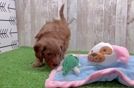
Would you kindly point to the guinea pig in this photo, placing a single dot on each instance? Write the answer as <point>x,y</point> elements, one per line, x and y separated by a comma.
<point>105,54</point>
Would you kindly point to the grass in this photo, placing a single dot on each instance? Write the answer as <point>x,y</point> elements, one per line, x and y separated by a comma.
<point>16,71</point>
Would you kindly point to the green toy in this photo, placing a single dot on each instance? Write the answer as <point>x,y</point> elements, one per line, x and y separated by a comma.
<point>70,63</point>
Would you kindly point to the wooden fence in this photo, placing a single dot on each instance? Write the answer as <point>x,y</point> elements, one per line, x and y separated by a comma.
<point>91,21</point>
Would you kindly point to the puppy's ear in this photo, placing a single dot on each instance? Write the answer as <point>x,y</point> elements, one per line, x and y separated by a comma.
<point>39,48</point>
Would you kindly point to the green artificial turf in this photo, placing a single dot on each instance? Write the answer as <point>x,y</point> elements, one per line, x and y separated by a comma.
<point>16,71</point>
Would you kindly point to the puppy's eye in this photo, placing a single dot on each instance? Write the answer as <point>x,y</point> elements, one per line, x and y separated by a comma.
<point>49,54</point>
<point>55,65</point>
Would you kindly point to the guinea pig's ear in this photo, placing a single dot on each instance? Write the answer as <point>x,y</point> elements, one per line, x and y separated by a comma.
<point>106,50</point>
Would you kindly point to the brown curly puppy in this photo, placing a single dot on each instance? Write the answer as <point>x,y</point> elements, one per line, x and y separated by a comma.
<point>52,42</point>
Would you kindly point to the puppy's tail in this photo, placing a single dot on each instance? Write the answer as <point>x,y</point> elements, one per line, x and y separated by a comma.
<point>61,13</point>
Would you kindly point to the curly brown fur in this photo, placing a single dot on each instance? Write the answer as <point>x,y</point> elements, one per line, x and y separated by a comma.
<point>52,42</point>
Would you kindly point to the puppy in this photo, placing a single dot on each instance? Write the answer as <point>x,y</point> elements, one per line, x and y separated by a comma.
<point>52,42</point>
<point>105,54</point>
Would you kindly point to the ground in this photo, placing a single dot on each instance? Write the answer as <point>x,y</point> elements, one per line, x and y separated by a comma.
<point>16,72</point>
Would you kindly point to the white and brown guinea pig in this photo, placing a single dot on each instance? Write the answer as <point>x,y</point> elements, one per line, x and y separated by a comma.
<point>105,54</point>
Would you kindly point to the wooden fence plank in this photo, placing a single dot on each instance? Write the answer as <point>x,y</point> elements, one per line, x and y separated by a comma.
<point>130,26</point>
<point>121,22</point>
<point>109,21</point>
<point>96,22</point>
<point>72,20</point>
<point>20,21</point>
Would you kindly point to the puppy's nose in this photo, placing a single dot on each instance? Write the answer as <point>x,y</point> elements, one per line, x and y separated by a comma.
<point>94,54</point>
<point>55,65</point>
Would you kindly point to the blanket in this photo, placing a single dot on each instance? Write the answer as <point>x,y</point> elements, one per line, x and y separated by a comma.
<point>124,73</point>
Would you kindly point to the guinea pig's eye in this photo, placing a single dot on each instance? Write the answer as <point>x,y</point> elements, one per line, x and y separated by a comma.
<point>104,50</point>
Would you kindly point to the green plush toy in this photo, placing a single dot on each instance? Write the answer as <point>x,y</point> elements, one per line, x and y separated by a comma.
<point>70,63</point>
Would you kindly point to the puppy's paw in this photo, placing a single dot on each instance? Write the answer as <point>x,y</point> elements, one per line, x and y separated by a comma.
<point>37,64</point>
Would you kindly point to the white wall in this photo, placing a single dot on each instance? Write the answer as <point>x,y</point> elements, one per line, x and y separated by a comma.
<point>8,29</point>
